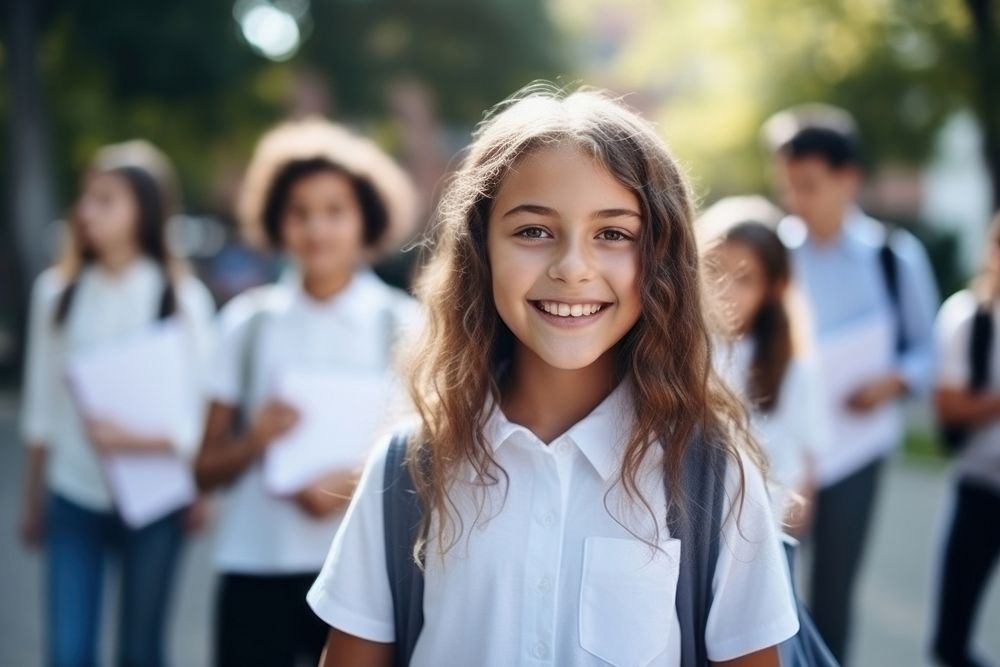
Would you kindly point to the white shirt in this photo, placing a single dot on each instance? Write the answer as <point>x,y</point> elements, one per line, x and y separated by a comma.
<point>796,428</point>
<point>980,457</point>
<point>260,533</point>
<point>106,307</point>
<point>845,289</point>
<point>548,575</point>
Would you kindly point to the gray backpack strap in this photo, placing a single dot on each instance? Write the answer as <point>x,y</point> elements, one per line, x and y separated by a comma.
<point>402,514</point>
<point>248,365</point>
<point>698,526</point>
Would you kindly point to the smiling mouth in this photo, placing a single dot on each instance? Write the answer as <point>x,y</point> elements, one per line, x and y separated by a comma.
<point>565,310</point>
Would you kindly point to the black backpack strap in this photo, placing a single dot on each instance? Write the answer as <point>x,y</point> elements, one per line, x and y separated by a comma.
<point>402,517</point>
<point>890,274</point>
<point>980,348</point>
<point>698,525</point>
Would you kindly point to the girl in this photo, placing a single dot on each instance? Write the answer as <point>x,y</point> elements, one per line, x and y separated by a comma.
<point>563,375</point>
<point>115,279</point>
<point>332,202</point>
<point>968,396</point>
<point>762,358</point>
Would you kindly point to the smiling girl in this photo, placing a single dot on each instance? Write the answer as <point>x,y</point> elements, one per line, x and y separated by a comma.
<point>562,380</point>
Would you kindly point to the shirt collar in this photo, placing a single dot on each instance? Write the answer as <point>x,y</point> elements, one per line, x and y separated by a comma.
<point>352,304</point>
<point>855,236</point>
<point>601,435</point>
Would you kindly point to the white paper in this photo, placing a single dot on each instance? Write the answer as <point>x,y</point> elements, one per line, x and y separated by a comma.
<point>849,360</point>
<point>340,415</point>
<point>140,383</point>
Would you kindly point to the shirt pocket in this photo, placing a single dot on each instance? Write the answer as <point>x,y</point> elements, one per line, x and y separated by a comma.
<point>627,608</point>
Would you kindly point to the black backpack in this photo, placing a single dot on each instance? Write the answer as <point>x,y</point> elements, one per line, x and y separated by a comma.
<point>698,530</point>
<point>956,435</point>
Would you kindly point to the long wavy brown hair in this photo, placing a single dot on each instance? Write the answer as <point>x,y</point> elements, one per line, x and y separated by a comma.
<point>455,366</point>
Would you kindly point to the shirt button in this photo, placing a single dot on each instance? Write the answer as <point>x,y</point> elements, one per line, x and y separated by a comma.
<point>541,650</point>
<point>564,448</point>
<point>544,585</point>
<point>548,519</point>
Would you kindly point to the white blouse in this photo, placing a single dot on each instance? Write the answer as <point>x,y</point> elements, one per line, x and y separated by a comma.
<point>551,571</point>
<point>796,428</point>
<point>106,307</point>
<point>258,532</point>
<point>980,456</point>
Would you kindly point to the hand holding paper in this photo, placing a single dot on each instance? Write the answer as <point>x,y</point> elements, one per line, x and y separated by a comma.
<point>341,413</point>
<point>140,388</point>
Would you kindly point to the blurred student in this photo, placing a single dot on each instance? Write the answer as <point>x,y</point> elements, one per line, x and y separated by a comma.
<point>762,354</point>
<point>968,399</point>
<point>115,279</point>
<point>332,202</point>
<point>861,282</point>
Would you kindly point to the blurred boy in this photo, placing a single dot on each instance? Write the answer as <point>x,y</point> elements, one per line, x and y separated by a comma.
<point>861,283</point>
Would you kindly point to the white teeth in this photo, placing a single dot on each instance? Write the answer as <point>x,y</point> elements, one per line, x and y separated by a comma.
<point>568,310</point>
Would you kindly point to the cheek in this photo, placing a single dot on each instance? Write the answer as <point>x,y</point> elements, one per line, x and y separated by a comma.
<point>510,274</point>
<point>623,274</point>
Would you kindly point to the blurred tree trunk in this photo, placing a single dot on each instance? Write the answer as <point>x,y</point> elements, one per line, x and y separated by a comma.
<point>31,196</point>
<point>987,69</point>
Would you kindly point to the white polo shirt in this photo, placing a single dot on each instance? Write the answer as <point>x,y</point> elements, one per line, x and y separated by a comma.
<point>106,308</point>
<point>258,532</point>
<point>550,575</point>
<point>980,457</point>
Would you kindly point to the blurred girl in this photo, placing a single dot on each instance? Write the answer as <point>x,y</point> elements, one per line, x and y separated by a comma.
<point>333,202</point>
<point>762,358</point>
<point>968,396</point>
<point>561,381</point>
<point>116,278</point>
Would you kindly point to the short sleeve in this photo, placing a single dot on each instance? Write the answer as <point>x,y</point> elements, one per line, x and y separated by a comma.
<point>225,382</point>
<point>352,591</point>
<point>952,332</point>
<point>40,373</point>
<point>753,605</point>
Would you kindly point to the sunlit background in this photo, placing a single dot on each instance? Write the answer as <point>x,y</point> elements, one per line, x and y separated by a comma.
<point>203,78</point>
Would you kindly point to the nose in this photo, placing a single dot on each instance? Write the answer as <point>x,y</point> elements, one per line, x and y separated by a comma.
<point>572,263</point>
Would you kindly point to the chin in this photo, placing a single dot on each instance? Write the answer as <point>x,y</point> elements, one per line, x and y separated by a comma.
<point>569,360</point>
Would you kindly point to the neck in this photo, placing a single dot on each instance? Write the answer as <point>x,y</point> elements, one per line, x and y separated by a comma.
<point>116,260</point>
<point>548,400</point>
<point>322,287</point>
<point>827,228</point>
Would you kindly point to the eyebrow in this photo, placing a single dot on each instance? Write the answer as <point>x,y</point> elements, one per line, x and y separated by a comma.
<point>545,211</point>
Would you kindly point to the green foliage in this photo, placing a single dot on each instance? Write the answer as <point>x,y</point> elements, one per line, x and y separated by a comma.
<point>180,74</point>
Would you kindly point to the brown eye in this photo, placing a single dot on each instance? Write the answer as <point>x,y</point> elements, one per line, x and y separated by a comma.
<point>614,235</point>
<point>532,233</point>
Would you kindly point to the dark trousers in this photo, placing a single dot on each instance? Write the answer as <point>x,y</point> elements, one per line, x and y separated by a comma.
<point>264,621</point>
<point>79,544</point>
<point>970,554</point>
<point>840,530</point>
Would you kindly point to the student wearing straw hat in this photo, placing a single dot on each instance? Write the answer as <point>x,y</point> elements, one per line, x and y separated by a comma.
<point>333,202</point>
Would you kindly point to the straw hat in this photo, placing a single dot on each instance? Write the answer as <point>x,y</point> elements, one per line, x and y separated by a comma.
<point>313,138</point>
